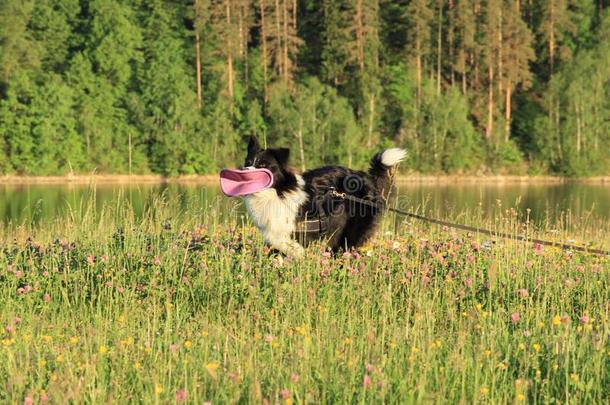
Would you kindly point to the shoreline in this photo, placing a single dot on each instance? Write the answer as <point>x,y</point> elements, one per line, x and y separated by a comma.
<point>210,179</point>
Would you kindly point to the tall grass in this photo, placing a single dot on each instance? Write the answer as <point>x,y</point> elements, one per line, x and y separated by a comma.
<point>181,305</point>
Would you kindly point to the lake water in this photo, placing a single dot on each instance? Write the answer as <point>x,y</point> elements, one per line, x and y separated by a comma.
<point>37,204</point>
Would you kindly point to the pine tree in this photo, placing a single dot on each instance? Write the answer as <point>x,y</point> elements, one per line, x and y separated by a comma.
<point>420,16</point>
<point>517,55</point>
<point>555,24</point>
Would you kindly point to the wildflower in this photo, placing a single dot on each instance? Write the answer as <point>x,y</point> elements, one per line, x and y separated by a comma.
<point>502,366</point>
<point>468,282</point>
<point>285,394</point>
<point>484,390</point>
<point>268,338</point>
<point>213,366</point>
<point>103,350</point>
<point>158,389</point>
<point>188,344</point>
<point>60,358</point>
<point>28,401</point>
<point>47,297</point>
<point>294,377</point>
<point>18,274</point>
<point>7,342</point>
<point>181,396</point>
<point>520,398</point>
<point>515,317</point>
<point>44,398</point>
<point>584,319</point>
<point>574,378</point>
<point>347,341</point>
<point>370,368</point>
<point>565,319</point>
<point>90,259</point>
<point>536,347</point>
<point>523,293</point>
<point>556,321</point>
<point>366,381</point>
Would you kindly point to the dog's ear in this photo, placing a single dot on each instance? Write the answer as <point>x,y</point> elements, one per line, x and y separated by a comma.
<point>282,155</point>
<point>253,144</point>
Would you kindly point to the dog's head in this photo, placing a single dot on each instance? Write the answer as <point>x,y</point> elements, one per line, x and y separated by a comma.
<point>273,159</point>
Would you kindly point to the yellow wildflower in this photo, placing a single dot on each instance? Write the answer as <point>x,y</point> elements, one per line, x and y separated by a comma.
<point>60,358</point>
<point>536,347</point>
<point>103,349</point>
<point>188,344</point>
<point>74,340</point>
<point>484,390</point>
<point>8,342</point>
<point>556,320</point>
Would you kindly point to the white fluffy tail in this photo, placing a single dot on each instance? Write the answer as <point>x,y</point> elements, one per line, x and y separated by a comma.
<point>392,157</point>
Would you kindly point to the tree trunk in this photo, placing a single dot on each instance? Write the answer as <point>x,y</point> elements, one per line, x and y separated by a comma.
<point>500,44</point>
<point>490,105</point>
<point>508,112</point>
<point>264,45</point>
<point>198,62</point>
<point>301,147</point>
<point>280,59</point>
<point>369,141</point>
<point>229,51</point>
<point>552,37</point>
<point>439,48</point>
<point>418,67</point>
<point>578,128</point>
<point>360,35</point>
<point>285,50</point>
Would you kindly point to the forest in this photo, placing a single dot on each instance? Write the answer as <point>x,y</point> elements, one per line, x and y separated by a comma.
<point>172,87</point>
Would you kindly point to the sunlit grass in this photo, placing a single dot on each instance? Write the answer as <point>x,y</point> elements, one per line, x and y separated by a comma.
<point>183,305</point>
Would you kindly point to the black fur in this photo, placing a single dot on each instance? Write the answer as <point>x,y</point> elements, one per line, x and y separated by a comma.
<point>350,224</point>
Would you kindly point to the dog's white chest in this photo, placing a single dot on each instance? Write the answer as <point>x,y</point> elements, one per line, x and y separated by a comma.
<point>274,216</point>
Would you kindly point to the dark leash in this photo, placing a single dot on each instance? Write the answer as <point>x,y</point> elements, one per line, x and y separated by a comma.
<point>565,246</point>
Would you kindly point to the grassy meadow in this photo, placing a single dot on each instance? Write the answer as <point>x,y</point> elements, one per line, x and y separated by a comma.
<point>187,306</point>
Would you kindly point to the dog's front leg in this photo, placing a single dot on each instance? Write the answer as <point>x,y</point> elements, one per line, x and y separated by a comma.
<point>285,244</point>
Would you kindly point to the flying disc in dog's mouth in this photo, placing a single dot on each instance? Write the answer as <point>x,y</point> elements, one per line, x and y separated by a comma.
<point>236,182</point>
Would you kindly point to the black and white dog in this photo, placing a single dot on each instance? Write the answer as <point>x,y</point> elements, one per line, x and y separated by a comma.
<point>276,211</point>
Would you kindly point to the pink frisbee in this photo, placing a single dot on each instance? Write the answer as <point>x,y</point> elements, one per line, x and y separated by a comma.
<point>235,182</point>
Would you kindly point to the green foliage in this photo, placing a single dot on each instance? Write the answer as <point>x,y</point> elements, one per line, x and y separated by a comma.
<point>112,86</point>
